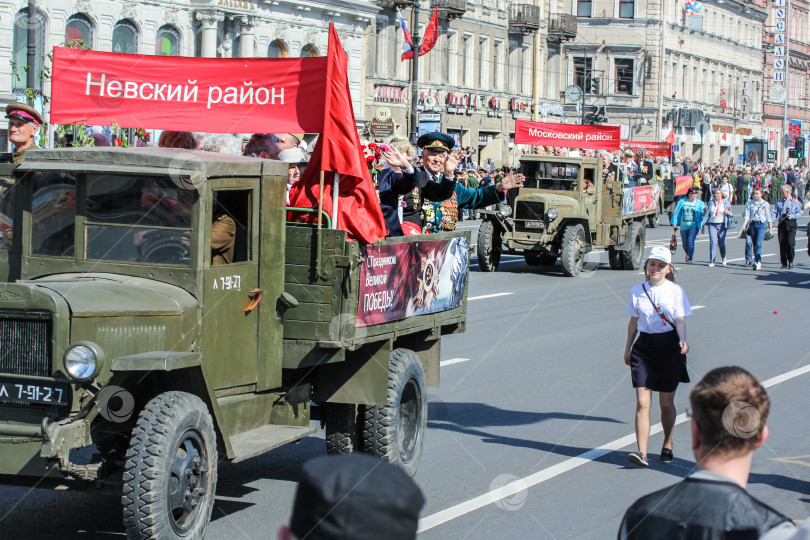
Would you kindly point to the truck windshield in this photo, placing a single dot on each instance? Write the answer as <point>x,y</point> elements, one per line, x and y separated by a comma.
<point>551,175</point>
<point>127,218</point>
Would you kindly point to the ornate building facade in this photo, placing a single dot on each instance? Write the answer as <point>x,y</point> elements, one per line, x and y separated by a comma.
<point>208,28</point>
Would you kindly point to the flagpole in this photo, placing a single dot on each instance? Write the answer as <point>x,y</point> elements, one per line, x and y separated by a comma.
<point>415,72</point>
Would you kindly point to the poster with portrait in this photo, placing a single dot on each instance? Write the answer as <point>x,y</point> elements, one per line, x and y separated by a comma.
<point>640,199</point>
<point>406,279</point>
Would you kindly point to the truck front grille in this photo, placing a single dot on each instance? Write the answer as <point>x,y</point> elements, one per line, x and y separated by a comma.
<point>530,211</point>
<point>25,347</point>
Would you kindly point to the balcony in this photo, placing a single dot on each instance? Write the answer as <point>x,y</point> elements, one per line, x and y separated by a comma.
<point>449,9</point>
<point>562,27</point>
<point>524,19</point>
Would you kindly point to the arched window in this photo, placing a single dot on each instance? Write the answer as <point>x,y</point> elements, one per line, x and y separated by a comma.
<point>20,52</point>
<point>79,27</point>
<point>308,51</point>
<point>168,41</point>
<point>125,37</point>
<point>277,50</point>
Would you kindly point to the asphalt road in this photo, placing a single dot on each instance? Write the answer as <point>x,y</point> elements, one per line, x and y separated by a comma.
<point>529,432</point>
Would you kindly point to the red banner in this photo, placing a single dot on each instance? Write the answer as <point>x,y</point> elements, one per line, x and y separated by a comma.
<point>640,199</point>
<point>405,279</point>
<point>222,95</point>
<point>653,149</point>
<point>683,183</point>
<point>568,135</point>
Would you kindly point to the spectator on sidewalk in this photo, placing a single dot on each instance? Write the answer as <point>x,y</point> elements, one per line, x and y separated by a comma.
<point>729,414</point>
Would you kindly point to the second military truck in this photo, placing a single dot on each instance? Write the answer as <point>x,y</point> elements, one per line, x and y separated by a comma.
<point>567,207</point>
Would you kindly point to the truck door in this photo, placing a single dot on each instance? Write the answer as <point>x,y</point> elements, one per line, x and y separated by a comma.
<point>230,309</point>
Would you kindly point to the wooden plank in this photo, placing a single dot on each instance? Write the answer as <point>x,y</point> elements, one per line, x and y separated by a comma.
<point>305,255</point>
<point>308,330</point>
<point>313,294</point>
<point>309,312</point>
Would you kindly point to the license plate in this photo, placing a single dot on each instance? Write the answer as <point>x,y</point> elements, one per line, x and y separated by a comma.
<point>534,224</point>
<point>22,392</point>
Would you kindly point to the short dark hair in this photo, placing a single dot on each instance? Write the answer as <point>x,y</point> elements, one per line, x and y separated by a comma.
<point>261,142</point>
<point>731,409</point>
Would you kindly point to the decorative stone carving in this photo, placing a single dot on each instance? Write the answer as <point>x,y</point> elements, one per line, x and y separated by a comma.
<point>129,10</point>
<point>170,15</point>
<point>83,6</point>
<point>311,34</point>
<point>209,16</point>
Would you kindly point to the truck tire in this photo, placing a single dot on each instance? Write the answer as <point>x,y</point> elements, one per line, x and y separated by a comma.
<point>489,247</point>
<point>615,258</point>
<point>654,220</point>
<point>572,254</point>
<point>343,435</point>
<point>396,431</point>
<point>170,475</point>
<point>631,258</point>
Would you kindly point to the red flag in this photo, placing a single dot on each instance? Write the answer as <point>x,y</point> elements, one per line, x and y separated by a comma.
<point>671,137</point>
<point>338,151</point>
<point>725,131</point>
<point>772,137</point>
<point>431,34</point>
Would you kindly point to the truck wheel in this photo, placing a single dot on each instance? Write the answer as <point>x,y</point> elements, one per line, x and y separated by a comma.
<point>632,257</point>
<point>170,475</point>
<point>396,431</point>
<point>615,258</point>
<point>342,429</point>
<point>489,247</point>
<point>572,255</point>
<point>654,220</point>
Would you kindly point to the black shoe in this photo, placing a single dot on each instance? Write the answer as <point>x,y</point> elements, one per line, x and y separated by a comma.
<point>666,455</point>
<point>747,263</point>
<point>637,458</point>
<point>784,266</point>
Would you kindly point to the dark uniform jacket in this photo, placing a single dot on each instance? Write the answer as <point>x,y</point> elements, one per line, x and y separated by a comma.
<point>701,507</point>
<point>391,185</point>
<point>426,188</point>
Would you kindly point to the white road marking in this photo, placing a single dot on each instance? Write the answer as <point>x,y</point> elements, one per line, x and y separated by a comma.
<point>453,361</point>
<point>489,296</point>
<point>743,258</point>
<point>697,307</point>
<point>491,497</point>
<point>804,283</point>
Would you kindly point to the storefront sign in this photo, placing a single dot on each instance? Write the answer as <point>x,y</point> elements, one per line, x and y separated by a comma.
<point>568,135</point>
<point>381,129</point>
<point>744,97</point>
<point>412,278</point>
<point>550,109</point>
<point>393,94</point>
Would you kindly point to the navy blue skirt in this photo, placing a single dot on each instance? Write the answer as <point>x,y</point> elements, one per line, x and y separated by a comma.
<point>656,362</point>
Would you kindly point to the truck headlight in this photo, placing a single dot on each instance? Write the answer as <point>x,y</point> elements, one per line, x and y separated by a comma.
<point>82,361</point>
<point>552,213</point>
<point>506,211</point>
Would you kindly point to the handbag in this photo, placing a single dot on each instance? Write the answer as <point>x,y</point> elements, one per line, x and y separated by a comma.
<point>732,222</point>
<point>673,243</point>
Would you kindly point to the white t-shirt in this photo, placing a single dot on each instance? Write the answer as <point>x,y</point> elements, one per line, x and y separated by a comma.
<point>726,189</point>
<point>668,296</point>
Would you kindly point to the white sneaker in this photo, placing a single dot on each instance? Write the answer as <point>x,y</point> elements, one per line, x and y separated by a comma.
<point>711,265</point>
<point>724,263</point>
<point>757,266</point>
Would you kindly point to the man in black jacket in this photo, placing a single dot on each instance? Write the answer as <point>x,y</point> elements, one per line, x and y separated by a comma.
<point>729,413</point>
<point>436,178</point>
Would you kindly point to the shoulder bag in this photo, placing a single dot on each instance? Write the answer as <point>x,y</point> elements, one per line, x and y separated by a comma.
<point>657,308</point>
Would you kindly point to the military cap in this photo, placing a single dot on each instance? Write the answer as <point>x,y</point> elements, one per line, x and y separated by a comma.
<point>24,112</point>
<point>628,152</point>
<point>355,496</point>
<point>298,136</point>
<point>438,142</point>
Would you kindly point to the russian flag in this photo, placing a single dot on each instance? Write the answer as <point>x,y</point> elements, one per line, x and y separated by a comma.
<point>407,45</point>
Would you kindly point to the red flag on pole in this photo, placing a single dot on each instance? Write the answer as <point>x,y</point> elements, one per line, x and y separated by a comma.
<point>431,34</point>
<point>671,137</point>
<point>338,152</point>
<point>725,131</point>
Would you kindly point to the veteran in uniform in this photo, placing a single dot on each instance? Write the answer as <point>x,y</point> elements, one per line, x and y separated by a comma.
<point>23,124</point>
<point>436,178</point>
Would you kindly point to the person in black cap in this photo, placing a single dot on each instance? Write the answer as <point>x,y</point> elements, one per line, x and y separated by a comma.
<point>436,178</point>
<point>23,124</point>
<point>354,496</point>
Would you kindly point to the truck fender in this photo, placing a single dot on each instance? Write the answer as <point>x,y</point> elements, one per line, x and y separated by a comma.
<point>494,217</point>
<point>584,222</point>
<point>152,373</point>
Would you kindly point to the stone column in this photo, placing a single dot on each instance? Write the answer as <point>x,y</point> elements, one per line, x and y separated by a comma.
<point>247,25</point>
<point>210,21</point>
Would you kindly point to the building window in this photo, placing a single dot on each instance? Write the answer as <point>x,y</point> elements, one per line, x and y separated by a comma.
<point>452,58</point>
<point>467,55</point>
<point>583,72</point>
<point>483,64</point>
<point>584,8</point>
<point>20,52</point>
<point>498,65</point>
<point>79,28</point>
<point>627,9</point>
<point>167,42</point>
<point>277,50</point>
<point>125,37</point>
<point>624,76</point>
<point>308,51</point>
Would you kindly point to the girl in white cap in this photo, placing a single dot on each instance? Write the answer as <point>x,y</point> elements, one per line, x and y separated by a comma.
<point>658,309</point>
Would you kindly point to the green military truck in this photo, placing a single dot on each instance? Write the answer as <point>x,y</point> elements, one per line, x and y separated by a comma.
<point>118,330</point>
<point>564,210</point>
